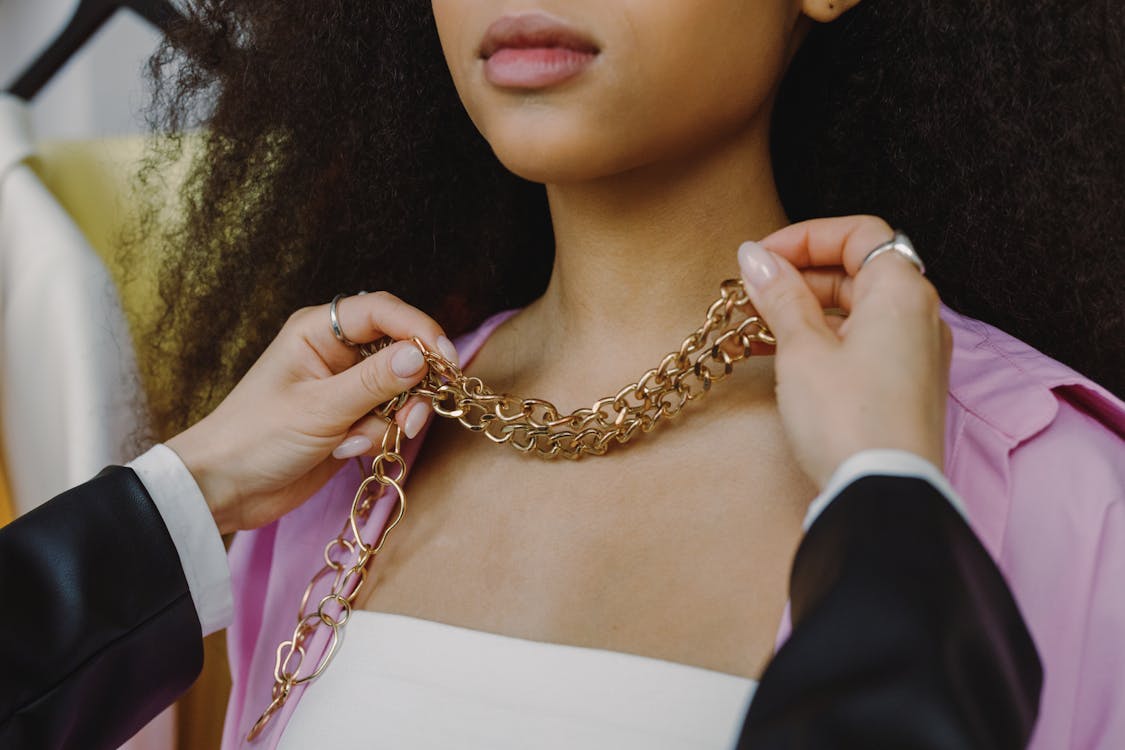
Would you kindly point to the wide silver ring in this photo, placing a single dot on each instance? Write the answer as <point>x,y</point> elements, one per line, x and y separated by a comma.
<point>900,244</point>
<point>334,318</point>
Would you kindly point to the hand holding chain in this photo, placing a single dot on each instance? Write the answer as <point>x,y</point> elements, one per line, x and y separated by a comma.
<point>529,425</point>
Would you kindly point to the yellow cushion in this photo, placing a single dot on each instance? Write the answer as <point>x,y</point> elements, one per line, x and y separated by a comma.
<point>93,181</point>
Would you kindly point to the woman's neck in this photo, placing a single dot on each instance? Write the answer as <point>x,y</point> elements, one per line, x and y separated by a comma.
<point>640,256</point>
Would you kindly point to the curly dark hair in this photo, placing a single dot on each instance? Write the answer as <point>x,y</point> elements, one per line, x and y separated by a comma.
<point>334,154</point>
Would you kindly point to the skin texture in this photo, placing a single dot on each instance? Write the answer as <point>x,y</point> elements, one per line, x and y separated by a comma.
<point>333,153</point>
<point>615,117</point>
<point>644,225</point>
<point>646,201</point>
<point>253,467</point>
<point>647,211</point>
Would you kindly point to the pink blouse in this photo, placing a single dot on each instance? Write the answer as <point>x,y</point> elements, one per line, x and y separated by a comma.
<point>1034,449</point>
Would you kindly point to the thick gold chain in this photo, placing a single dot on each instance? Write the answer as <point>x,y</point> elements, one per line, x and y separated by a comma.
<point>529,425</point>
<point>345,565</point>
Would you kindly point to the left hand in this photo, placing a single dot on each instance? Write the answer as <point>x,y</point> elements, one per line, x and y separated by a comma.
<point>878,380</point>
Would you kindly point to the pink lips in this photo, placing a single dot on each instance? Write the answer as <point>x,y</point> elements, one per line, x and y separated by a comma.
<point>534,51</point>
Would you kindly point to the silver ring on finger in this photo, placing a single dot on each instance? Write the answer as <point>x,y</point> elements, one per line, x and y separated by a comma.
<point>900,244</point>
<point>334,319</point>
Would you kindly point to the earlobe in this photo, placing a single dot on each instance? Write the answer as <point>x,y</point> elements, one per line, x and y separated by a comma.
<point>825,11</point>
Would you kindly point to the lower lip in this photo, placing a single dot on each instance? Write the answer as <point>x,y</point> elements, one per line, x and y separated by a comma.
<point>535,67</point>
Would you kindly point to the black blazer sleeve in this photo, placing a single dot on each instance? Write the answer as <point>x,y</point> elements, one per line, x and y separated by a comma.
<point>99,632</point>
<point>905,634</point>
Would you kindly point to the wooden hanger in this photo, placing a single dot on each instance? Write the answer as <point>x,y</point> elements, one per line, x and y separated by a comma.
<point>87,19</point>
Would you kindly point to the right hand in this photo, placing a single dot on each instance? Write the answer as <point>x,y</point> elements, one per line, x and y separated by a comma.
<point>269,445</point>
<point>880,379</point>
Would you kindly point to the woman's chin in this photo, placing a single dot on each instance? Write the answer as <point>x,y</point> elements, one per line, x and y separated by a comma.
<point>557,164</point>
<point>547,173</point>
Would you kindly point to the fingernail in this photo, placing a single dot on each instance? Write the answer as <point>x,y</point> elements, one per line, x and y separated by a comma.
<point>407,361</point>
<point>758,265</point>
<point>354,446</point>
<point>416,419</point>
<point>448,350</point>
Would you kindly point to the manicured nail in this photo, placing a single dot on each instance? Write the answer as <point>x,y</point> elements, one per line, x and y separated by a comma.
<point>758,265</point>
<point>416,420</point>
<point>354,446</point>
<point>407,361</point>
<point>448,350</point>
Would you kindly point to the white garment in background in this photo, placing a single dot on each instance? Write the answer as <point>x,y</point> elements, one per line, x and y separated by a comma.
<point>68,383</point>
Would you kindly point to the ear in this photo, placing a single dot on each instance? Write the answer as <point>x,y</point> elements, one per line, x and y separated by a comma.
<point>825,11</point>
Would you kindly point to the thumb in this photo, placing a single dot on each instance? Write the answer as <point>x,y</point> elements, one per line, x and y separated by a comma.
<point>351,394</point>
<point>780,295</point>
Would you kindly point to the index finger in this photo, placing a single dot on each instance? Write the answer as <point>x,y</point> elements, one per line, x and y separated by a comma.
<point>363,319</point>
<point>833,241</point>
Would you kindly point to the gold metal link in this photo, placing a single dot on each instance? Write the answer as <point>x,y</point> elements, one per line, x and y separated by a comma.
<point>529,425</point>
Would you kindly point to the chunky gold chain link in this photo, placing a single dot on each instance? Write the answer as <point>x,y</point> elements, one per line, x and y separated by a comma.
<point>345,564</point>
<point>529,425</point>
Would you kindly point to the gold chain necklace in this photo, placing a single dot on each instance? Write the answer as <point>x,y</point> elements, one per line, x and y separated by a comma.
<point>530,426</point>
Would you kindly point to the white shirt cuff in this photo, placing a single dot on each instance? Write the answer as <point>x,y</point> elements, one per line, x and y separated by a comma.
<point>204,559</point>
<point>882,462</point>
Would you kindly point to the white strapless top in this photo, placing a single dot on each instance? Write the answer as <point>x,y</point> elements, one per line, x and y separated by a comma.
<point>402,683</point>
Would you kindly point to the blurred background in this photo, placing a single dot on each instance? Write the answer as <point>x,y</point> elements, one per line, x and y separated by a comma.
<point>69,393</point>
<point>101,91</point>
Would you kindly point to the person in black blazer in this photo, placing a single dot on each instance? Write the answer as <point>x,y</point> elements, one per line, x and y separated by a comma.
<point>905,634</point>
